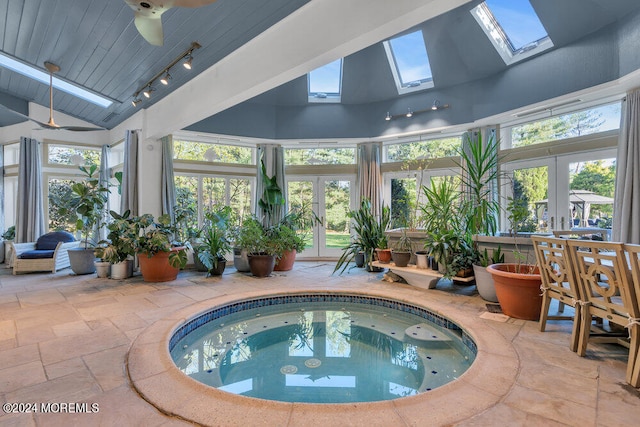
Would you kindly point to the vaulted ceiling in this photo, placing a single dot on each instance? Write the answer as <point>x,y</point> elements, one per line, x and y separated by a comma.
<point>97,46</point>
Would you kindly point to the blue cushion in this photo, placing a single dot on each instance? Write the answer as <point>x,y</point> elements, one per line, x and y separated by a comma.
<point>36,254</point>
<point>49,241</point>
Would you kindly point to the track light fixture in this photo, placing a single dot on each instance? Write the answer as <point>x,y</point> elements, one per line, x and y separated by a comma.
<point>163,76</point>
<point>187,63</point>
<point>165,79</point>
<point>410,113</point>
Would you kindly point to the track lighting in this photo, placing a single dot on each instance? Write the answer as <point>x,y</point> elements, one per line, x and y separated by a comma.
<point>410,113</point>
<point>165,79</point>
<point>163,76</point>
<point>187,63</point>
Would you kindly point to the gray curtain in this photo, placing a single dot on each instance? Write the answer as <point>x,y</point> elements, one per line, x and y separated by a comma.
<point>129,196</point>
<point>168,186</point>
<point>104,180</point>
<point>626,211</point>
<point>369,176</point>
<point>273,158</point>
<point>29,210</point>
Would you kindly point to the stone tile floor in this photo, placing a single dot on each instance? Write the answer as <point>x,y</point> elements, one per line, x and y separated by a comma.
<point>65,338</point>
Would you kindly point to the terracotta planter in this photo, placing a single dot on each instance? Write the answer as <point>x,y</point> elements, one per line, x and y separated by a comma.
<point>285,263</point>
<point>261,265</point>
<point>401,258</point>
<point>384,255</point>
<point>157,268</point>
<point>518,293</point>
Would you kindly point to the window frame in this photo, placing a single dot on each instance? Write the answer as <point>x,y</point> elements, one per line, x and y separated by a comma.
<point>412,86</point>
<point>326,97</point>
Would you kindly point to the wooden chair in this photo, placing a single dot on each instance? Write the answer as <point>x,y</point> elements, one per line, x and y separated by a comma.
<point>558,282</point>
<point>605,281</point>
<point>633,252</point>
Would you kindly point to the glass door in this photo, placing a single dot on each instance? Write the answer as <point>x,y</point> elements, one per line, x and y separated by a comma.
<point>330,198</point>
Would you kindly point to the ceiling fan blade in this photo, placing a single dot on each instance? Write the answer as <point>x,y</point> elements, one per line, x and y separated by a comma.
<point>150,27</point>
<point>192,3</point>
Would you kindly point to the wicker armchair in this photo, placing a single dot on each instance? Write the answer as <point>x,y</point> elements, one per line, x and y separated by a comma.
<point>49,253</point>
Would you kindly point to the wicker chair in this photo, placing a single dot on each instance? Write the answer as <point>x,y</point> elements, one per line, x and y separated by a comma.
<point>49,253</point>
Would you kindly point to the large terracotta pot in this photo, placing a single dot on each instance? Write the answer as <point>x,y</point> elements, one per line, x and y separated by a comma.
<point>157,268</point>
<point>285,263</point>
<point>518,293</point>
<point>261,265</point>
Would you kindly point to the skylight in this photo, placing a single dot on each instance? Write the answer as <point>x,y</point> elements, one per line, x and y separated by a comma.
<point>43,77</point>
<point>409,62</point>
<point>513,27</point>
<point>325,83</point>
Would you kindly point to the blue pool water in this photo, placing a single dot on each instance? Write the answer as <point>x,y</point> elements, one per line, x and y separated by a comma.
<point>322,349</point>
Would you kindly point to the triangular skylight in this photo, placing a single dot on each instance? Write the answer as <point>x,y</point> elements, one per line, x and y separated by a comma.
<point>409,62</point>
<point>513,27</point>
<point>325,83</point>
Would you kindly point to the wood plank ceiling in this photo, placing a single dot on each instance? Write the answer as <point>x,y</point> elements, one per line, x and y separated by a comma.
<point>97,46</point>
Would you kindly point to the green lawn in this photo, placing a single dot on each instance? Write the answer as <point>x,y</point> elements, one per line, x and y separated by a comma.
<point>335,240</point>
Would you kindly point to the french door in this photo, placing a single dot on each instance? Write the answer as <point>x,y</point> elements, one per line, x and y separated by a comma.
<point>563,192</point>
<point>330,199</point>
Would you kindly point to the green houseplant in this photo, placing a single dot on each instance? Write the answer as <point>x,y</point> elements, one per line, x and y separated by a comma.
<point>368,230</point>
<point>287,242</point>
<point>121,243</point>
<point>259,243</point>
<point>88,200</point>
<point>215,244</point>
<point>401,250</point>
<point>159,260</point>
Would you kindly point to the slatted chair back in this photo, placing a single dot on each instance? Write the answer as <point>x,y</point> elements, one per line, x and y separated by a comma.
<point>558,282</point>
<point>604,274</point>
<point>633,252</point>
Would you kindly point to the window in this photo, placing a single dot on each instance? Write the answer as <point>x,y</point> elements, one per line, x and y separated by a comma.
<point>579,123</point>
<point>72,155</point>
<point>409,62</point>
<point>429,149</point>
<point>11,154</point>
<point>320,156</point>
<point>513,27</point>
<point>212,152</point>
<point>201,193</point>
<point>61,215</point>
<point>325,83</point>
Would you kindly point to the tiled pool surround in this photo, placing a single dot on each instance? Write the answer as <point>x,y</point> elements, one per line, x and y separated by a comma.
<point>156,378</point>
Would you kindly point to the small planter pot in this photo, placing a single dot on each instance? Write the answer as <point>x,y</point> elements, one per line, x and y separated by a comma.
<point>261,265</point>
<point>285,263</point>
<point>359,259</point>
<point>217,271</point>
<point>241,260</point>
<point>120,270</point>
<point>102,269</point>
<point>518,293</point>
<point>401,258</point>
<point>422,260</point>
<point>384,255</point>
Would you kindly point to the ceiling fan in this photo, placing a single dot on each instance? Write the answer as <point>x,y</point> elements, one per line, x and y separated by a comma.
<point>52,68</point>
<point>148,16</point>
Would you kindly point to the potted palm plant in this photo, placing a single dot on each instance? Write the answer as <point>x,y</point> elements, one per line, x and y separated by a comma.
<point>367,232</point>
<point>88,201</point>
<point>215,244</point>
<point>260,247</point>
